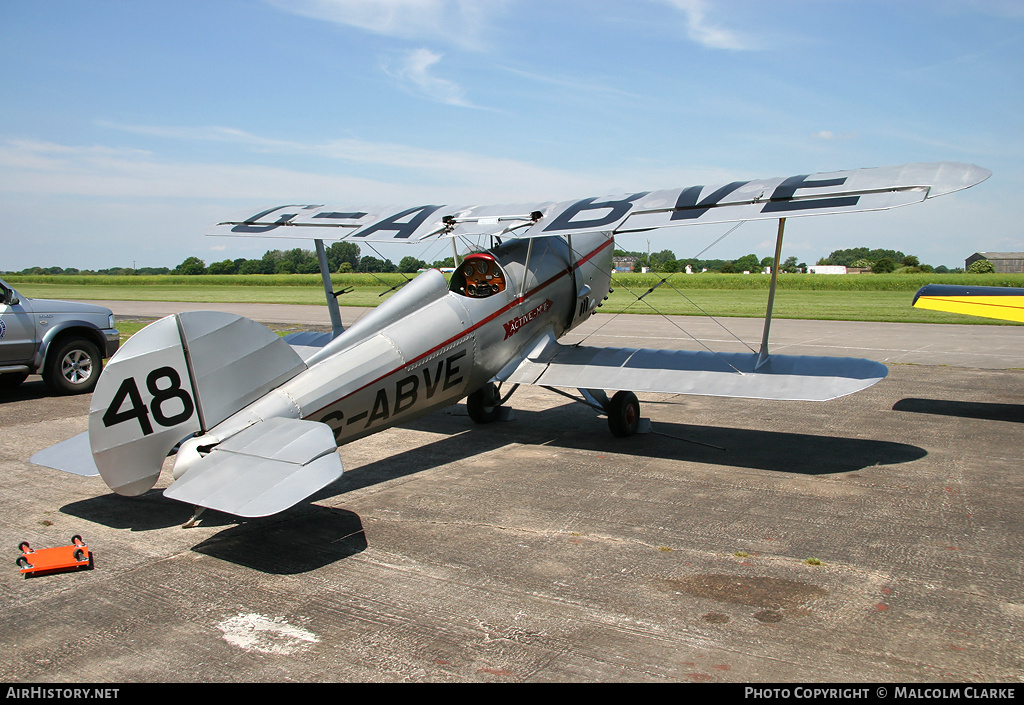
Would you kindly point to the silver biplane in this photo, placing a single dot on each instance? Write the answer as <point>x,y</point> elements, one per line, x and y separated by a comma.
<point>256,420</point>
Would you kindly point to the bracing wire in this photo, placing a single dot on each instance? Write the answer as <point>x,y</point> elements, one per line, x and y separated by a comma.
<point>664,280</point>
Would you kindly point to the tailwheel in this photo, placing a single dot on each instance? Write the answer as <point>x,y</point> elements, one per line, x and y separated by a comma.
<point>624,414</point>
<point>484,405</point>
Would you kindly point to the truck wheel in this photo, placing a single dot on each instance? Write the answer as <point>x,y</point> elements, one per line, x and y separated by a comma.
<point>73,367</point>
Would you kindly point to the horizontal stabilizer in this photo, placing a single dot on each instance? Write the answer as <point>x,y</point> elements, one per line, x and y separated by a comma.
<point>73,455</point>
<point>781,377</point>
<point>307,343</point>
<point>1003,302</point>
<point>262,470</point>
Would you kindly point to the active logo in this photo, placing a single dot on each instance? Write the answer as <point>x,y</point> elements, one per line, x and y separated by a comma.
<point>513,326</point>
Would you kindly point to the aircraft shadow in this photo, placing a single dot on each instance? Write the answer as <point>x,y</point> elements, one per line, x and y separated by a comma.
<point>302,539</point>
<point>989,411</point>
<point>147,512</point>
<point>309,536</point>
<point>572,426</point>
<point>797,453</point>
<point>292,543</point>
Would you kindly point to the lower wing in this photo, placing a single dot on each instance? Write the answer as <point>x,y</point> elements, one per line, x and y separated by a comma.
<point>781,377</point>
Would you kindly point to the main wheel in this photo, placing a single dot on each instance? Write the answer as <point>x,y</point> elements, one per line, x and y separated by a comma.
<point>484,404</point>
<point>624,414</point>
<point>73,367</point>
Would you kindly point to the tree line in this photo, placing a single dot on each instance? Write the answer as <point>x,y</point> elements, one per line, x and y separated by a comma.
<point>878,261</point>
<point>881,261</point>
<point>345,257</point>
<point>342,257</point>
<point>666,262</point>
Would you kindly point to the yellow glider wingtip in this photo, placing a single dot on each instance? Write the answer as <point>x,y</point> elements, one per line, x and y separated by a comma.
<point>1004,303</point>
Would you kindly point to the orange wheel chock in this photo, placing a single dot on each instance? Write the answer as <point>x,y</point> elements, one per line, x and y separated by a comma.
<point>54,560</point>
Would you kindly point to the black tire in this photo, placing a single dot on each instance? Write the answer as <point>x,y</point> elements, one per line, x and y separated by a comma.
<point>624,414</point>
<point>79,554</point>
<point>73,367</point>
<point>23,546</point>
<point>23,562</point>
<point>12,380</point>
<point>77,540</point>
<point>483,404</point>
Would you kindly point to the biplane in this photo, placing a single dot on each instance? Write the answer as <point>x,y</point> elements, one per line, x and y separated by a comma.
<point>256,420</point>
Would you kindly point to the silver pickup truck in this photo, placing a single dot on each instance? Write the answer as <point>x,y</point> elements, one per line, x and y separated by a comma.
<point>64,341</point>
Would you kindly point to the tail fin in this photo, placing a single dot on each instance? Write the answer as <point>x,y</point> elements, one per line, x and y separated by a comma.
<point>178,376</point>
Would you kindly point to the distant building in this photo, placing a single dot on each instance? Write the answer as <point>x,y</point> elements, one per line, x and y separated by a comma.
<point>1003,262</point>
<point>623,264</point>
<point>826,269</point>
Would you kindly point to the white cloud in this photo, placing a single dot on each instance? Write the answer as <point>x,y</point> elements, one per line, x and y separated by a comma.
<point>700,30</point>
<point>575,84</point>
<point>1011,9</point>
<point>414,74</point>
<point>462,23</point>
<point>828,135</point>
<point>45,168</point>
<point>335,172</point>
<point>408,173</point>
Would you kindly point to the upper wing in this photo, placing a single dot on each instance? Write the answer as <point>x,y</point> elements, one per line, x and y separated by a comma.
<point>784,197</point>
<point>1003,302</point>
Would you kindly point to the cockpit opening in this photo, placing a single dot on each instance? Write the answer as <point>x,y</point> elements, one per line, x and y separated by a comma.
<point>478,277</point>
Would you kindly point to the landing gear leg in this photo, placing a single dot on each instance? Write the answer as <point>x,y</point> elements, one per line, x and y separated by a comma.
<point>484,405</point>
<point>195,518</point>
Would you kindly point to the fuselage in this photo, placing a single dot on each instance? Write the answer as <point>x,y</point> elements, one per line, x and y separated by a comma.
<point>433,343</point>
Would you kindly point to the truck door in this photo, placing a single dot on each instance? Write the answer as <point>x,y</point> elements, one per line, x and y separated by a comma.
<point>17,328</point>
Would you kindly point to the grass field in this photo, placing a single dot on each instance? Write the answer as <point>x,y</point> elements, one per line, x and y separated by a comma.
<point>861,297</point>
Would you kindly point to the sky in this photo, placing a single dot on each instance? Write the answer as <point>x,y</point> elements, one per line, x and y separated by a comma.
<point>127,127</point>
